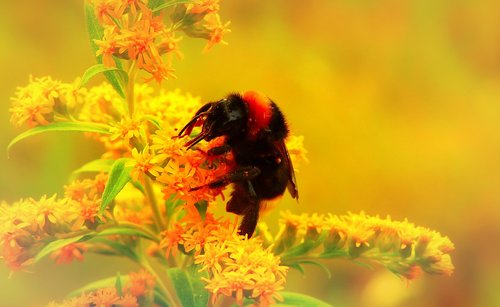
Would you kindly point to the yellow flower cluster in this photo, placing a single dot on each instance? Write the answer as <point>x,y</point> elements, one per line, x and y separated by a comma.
<point>132,31</point>
<point>136,292</point>
<point>44,101</point>
<point>402,247</point>
<point>240,267</point>
<point>27,224</point>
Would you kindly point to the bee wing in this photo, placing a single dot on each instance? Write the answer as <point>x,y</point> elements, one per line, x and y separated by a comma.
<point>292,182</point>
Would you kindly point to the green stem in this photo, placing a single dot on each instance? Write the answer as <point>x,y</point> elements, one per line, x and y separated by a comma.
<point>168,295</point>
<point>148,187</point>
<point>154,237</point>
<point>132,71</point>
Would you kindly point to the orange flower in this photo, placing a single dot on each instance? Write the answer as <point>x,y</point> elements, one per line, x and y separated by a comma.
<point>140,283</point>
<point>108,46</point>
<point>126,130</point>
<point>106,297</point>
<point>171,240</point>
<point>104,10</point>
<point>216,31</point>
<point>69,252</point>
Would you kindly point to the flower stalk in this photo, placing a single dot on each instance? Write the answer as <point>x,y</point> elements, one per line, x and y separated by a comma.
<point>151,198</point>
<point>132,72</point>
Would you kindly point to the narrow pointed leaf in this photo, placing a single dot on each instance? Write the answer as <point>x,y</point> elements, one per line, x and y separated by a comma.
<point>96,32</point>
<point>98,284</point>
<point>182,286</point>
<point>159,298</point>
<point>101,68</point>
<point>316,263</point>
<point>64,126</point>
<point>120,248</point>
<point>296,266</point>
<point>95,166</point>
<point>157,6</point>
<point>200,294</point>
<point>119,284</point>
<point>303,248</point>
<point>118,178</point>
<point>129,231</point>
<point>297,299</point>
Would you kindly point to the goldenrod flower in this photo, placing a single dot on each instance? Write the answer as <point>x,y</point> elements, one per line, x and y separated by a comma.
<point>26,223</point>
<point>216,31</point>
<point>242,267</point>
<point>45,100</point>
<point>171,240</point>
<point>402,247</point>
<point>129,131</point>
<point>102,105</point>
<point>140,283</point>
<point>146,163</point>
<point>69,252</point>
<point>131,206</point>
<point>105,10</point>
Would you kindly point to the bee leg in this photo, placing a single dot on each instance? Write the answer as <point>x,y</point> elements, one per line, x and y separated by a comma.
<point>237,175</point>
<point>242,197</point>
<point>219,150</point>
<point>249,222</point>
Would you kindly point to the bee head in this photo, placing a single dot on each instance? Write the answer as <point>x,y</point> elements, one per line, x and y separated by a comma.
<point>226,117</point>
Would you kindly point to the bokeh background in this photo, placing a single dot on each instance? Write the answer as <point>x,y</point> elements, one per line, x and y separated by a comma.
<point>399,103</point>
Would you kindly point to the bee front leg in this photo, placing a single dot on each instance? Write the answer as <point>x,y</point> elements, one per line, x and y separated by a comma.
<point>219,150</point>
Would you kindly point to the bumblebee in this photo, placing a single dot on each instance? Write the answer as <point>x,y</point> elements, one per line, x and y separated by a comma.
<point>255,131</point>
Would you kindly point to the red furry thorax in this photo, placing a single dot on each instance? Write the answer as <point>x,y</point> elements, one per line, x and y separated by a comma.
<point>259,111</point>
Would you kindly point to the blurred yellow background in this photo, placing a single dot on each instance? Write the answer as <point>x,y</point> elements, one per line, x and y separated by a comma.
<point>399,103</point>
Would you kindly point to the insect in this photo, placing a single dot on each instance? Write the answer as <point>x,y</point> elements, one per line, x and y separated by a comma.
<point>255,130</point>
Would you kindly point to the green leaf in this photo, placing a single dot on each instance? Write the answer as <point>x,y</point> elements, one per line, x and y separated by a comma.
<point>190,290</point>
<point>101,68</point>
<point>98,284</point>
<point>319,264</point>
<point>167,3</point>
<point>334,253</point>
<point>64,126</point>
<point>200,294</point>
<point>118,284</point>
<point>296,266</point>
<point>118,178</point>
<point>154,3</point>
<point>363,264</point>
<point>172,204</point>
<point>121,249</point>
<point>299,250</point>
<point>138,186</point>
<point>127,230</point>
<point>160,298</point>
<point>303,248</point>
<point>152,119</point>
<point>95,166</point>
<point>58,244</point>
<point>96,32</point>
<point>182,285</point>
<point>202,207</point>
<point>297,299</point>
